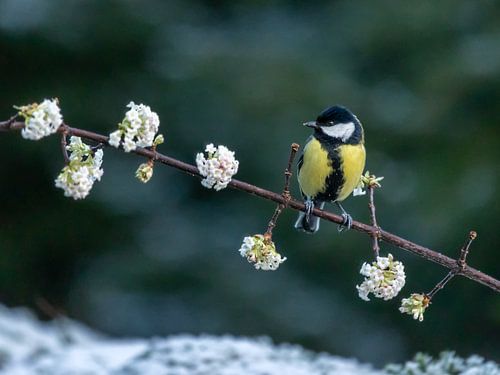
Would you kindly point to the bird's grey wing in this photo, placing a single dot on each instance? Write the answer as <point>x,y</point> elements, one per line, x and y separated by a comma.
<point>299,165</point>
<point>300,162</point>
<point>301,158</point>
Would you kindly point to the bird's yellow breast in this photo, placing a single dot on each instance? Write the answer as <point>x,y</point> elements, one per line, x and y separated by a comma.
<point>316,167</point>
<point>352,159</point>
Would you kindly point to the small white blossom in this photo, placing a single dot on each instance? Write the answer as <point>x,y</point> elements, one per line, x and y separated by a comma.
<point>210,149</point>
<point>218,167</point>
<point>83,169</point>
<point>366,181</point>
<point>40,120</point>
<point>262,252</point>
<point>115,138</point>
<point>137,129</point>
<point>359,190</point>
<point>144,172</point>
<point>415,305</point>
<point>129,144</point>
<point>384,278</point>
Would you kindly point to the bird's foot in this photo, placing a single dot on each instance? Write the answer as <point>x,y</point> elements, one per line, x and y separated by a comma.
<point>309,207</point>
<point>346,222</point>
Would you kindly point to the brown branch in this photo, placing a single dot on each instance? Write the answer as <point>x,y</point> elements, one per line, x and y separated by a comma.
<point>373,217</point>
<point>285,194</point>
<point>424,252</point>
<point>460,265</point>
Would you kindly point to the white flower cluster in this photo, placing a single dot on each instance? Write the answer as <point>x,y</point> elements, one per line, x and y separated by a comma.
<point>84,168</point>
<point>137,129</point>
<point>40,120</point>
<point>262,252</point>
<point>218,167</point>
<point>415,305</point>
<point>384,278</point>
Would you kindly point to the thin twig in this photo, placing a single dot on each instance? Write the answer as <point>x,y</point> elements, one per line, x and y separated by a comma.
<point>373,217</point>
<point>288,172</point>
<point>422,251</point>
<point>285,194</point>
<point>460,266</point>
<point>64,144</point>
<point>465,250</point>
<point>440,285</point>
<point>6,125</point>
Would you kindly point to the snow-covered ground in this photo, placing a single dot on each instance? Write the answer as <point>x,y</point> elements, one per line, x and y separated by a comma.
<point>30,347</point>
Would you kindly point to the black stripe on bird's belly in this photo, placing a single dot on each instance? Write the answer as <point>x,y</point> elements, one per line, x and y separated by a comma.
<point>335,180</point>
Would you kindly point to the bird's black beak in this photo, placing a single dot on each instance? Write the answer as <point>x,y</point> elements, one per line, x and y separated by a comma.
<point>311,124</point>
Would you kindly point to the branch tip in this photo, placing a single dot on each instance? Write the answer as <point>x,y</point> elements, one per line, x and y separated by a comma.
<point>465,250</point>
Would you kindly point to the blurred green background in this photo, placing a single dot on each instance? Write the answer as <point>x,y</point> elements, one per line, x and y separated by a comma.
<point>161,258</point>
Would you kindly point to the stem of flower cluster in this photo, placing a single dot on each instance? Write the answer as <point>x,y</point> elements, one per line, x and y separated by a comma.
<point>373,217</point>
<point>64,143</point>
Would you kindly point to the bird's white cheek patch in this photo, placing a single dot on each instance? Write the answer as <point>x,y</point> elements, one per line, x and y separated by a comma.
<point>342,131</point>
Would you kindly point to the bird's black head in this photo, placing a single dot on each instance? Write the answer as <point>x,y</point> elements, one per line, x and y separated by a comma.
<point>337,125</point>
<point>335,115</point>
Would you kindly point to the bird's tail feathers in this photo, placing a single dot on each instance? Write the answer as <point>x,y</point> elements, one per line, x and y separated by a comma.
<point>308,223</point>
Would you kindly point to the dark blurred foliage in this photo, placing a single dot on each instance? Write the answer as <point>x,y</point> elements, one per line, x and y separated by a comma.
<point>161,258</point>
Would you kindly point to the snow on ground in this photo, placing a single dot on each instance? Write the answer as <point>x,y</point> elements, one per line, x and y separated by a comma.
<point>28,346</point>
<point>65,347</point>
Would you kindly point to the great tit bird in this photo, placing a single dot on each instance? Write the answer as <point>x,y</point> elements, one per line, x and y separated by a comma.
<point>331,164</point>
